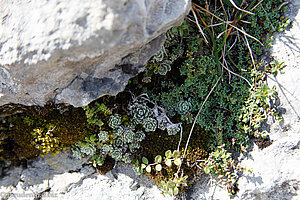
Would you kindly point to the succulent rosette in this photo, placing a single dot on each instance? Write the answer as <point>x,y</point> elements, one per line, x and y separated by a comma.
<point>163,68</point>
<point>173,130</point>
<point>140,113</point>
<point>88,149</point>
<point>139,136</point>
<point>183,107</point>
<point>129,136</point>
<point>115,121</point>
<point>107,148</point>
<point>116,154</point>
<point>150,124</point>
<point>103,136</point>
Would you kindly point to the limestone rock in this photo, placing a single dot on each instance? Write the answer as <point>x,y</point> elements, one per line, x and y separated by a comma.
<point>76,51</point>
<point>121,183</point>
<point>63,177</point>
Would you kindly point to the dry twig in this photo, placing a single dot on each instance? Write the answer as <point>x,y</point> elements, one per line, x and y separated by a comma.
<point>194,123</point>
<point>234,5</point>
<point>229,24</point>
<point>200,29</point>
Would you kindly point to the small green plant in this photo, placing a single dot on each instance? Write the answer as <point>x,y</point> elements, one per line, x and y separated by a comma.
<point>28,121</point>
<point>45,141</point>
<point>222,165</point>
<point>172,185</point>
<point>98,108</point>
<point>275,68</point>
<point>159,64</point>
<point>258,106</point>
<point>91,113</point>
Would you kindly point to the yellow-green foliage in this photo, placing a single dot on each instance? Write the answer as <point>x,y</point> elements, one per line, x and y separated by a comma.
<point>45,141</point>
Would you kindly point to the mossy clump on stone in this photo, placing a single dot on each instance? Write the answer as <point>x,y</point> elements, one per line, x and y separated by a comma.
<point>40,130</point>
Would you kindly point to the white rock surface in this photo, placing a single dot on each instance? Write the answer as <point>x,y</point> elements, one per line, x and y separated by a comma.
<point>63,177</point>
<point>75,51</point>
<point>123,184</point>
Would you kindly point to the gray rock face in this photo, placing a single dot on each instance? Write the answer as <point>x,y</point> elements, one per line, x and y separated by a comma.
<point>64,177</point>
<point>76,51</point>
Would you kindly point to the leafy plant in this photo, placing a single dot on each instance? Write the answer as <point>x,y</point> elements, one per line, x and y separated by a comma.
<point>45,141</point>
<point>98,108</point>
<point>275,68</point>
<point>92,112</point>
<point>222,165</point>
<point>168,159</point>
<point>172,185</point>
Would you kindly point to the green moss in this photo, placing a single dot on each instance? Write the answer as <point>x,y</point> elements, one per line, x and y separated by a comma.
<point>22,138</point>
<point>69,128</point>
<point>72,128</point>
